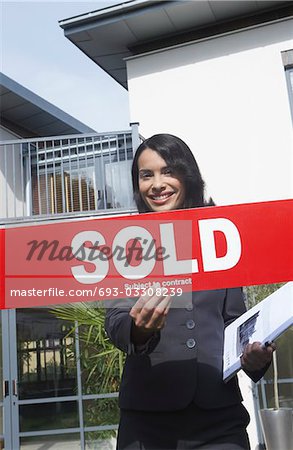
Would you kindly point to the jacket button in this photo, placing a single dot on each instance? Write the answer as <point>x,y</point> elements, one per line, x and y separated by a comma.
<point>189,307</point>
<point>190,343</point>
<point>190,324</point>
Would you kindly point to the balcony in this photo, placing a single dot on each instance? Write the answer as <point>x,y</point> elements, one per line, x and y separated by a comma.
<point>65,176</point>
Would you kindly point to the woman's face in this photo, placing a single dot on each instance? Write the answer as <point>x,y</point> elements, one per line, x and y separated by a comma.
<point>159,188</point>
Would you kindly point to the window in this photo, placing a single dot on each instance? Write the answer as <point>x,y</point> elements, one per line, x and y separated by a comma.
<point>83,174</point>
<point>287,58</point>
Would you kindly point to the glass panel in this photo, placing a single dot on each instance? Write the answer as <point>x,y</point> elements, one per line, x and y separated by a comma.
<point>79,190</point>
<point>285,370</point>
<point>289,72</point>
<point>284,357</point>
<point>118,184</point>
<point>1,383</point>
<point>46,355</point>
<point>101,411</point>
<point>100,440</point>
<point>42,193</point>
<point>285,395</point>
<point>285,354</point>
<point>1,367</point>
<point>58,442</point>
<point>1,423</point>
<point>48,416</point>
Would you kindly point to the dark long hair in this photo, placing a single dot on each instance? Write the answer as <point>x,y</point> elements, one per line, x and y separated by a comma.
<point>181,161</point>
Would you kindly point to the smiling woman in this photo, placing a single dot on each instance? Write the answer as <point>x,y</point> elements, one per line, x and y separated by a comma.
<point>181,347</point>
<point>165,175</point>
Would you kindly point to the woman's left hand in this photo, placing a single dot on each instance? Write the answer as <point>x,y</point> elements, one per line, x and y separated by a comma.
<point>256,356</point>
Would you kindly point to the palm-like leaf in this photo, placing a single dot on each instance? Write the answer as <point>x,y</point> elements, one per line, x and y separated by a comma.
<point>101,362</point>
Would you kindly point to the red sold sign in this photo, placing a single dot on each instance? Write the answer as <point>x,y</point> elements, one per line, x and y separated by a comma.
<point>100,259</point>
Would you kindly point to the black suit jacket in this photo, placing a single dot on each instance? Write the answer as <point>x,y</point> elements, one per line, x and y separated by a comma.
<point>183,362</point>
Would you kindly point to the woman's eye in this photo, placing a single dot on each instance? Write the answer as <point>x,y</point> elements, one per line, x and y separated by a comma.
<point>145,175</point>
<point>167,171</point>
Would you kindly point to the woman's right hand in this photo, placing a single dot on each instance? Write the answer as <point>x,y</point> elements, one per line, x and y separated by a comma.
<point>149,315</point>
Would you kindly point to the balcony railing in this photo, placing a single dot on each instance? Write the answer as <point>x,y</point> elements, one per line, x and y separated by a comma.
<point>67,175</point>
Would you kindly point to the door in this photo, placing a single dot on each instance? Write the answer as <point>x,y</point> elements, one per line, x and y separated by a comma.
<point>9,382</point>
<point>40,390</point>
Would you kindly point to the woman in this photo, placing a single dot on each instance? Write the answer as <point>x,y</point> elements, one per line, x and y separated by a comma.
<point>172,395</point>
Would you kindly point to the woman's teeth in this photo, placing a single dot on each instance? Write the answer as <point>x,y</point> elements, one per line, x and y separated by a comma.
<point>161,197</point>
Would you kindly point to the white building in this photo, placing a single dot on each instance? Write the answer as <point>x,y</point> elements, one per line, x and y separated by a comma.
<point>217,74</point>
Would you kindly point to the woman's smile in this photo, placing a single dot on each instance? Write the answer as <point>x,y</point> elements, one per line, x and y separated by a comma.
<point>161,198</point>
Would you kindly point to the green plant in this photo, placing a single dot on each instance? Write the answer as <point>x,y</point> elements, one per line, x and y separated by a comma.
<point>256,294</point>
<point>98,355</point>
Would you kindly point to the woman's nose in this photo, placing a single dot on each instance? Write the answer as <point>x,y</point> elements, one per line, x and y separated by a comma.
<point>158,183</point>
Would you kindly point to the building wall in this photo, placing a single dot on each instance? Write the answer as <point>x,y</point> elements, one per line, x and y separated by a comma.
<point>11,176</point>
<point>227,98</point>
<point>6,134</point>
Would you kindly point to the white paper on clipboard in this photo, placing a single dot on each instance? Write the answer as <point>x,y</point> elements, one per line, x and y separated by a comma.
<point>264,322</point>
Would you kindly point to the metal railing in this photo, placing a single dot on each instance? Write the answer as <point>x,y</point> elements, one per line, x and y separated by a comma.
<point>67,175</point>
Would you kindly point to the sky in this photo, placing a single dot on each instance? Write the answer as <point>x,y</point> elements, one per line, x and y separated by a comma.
<point>36,54</point>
